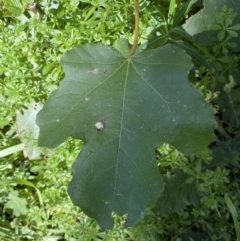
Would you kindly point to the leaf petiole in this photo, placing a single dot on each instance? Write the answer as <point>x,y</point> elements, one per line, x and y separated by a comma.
<point>136,31</point>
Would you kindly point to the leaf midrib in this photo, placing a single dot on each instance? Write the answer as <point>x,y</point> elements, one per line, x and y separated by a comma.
<point>121,128</point>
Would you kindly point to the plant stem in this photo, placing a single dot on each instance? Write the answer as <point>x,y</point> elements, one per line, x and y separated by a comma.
<point>136,32</point>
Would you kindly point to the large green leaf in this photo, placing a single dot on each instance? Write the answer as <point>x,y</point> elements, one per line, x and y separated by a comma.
<point>199,25</point>
<point>123,108</point>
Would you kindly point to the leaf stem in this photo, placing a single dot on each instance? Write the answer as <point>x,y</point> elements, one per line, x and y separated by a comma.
<point>136,32</point>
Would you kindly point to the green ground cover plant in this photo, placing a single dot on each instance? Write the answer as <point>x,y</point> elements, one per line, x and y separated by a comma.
<point>143,117</point>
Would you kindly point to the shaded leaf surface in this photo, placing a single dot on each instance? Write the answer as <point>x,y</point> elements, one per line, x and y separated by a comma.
<point>230,103</point>
<point>196,236</point>
<point>177,194</point>
<point>123,108</point>
<point>199,25</point>
<point>226,153</point>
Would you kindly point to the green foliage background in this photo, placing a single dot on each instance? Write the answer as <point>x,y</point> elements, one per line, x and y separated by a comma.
<point>33,201</point>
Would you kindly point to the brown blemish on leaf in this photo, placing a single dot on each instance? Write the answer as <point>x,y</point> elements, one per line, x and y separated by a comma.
<point>93,71</point>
